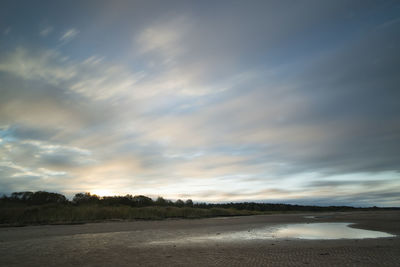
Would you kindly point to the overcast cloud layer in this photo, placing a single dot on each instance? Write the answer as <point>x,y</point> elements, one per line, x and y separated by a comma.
<point>277,101</point>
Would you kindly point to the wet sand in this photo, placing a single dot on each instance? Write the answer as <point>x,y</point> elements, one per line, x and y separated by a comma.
<point>176,243</point>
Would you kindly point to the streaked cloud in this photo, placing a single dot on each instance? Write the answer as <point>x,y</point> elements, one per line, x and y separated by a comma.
<point>69,35</point>
<point>213,106</point>
<point>88,77</point>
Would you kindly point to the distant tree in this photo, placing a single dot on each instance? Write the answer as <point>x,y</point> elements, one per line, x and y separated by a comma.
<point>160,201</point>
<point>142,201</point>
<point>85,198</point>
<point>189,203</point>
<point>27,196</point>
<point>117,200</point>
<point>38,198</point>
<point>42,197</point>
<point>179,203</point>
<point>22,196</point>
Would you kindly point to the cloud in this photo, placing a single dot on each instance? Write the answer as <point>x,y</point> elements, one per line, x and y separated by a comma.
<point>43,65</point>
<point>267,101</point>
<point>41,153</point>
<point>165,39</point>
<point>88,77</point>
<point>46,31</point>
<point>58,155</point>
<point>69,35</point>
<point>29,163</point>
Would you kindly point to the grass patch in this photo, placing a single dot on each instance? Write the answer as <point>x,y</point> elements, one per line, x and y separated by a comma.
<point>55,214</point>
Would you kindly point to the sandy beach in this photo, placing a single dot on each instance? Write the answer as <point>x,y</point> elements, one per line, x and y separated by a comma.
<point>197,243</point>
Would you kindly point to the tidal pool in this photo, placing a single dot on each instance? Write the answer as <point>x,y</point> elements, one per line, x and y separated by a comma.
<point>303,231</point>
<point>288,231</point>
<point>325,231</point>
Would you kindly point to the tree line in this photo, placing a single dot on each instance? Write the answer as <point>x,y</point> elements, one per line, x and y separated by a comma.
<point>43,197</point>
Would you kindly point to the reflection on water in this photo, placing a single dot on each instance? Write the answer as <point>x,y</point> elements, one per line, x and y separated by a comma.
<point>317,217</point>
<point>288,231</point>
<point>310,217</point>
<point>305,231</point>
<point>326,231</point>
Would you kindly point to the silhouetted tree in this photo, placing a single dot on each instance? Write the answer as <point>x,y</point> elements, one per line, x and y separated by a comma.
<point>142,201</point>
<point>22,196</point>
<point>42,197</point>
<point>189,203</point>
<point>160,201</point>
<point>38,198</point>
<point>117,200</point>
<point>179,203</point>
<point>85,198</point>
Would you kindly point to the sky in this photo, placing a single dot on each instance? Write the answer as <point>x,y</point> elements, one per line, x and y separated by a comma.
<point>267,101</point>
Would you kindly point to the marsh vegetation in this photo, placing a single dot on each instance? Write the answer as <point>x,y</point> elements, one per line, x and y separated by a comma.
<point>22,208</point>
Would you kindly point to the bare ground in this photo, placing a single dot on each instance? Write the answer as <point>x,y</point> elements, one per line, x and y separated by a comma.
<point>165,243</point>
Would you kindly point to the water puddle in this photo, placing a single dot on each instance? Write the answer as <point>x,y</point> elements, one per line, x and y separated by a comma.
<point>317,217</point>
<point>288,231</point>
<point>310,217</point>
<point>325,231</point>
<point>304,231</point>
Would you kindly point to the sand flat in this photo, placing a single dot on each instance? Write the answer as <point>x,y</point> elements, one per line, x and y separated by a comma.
<point>155,243</point>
